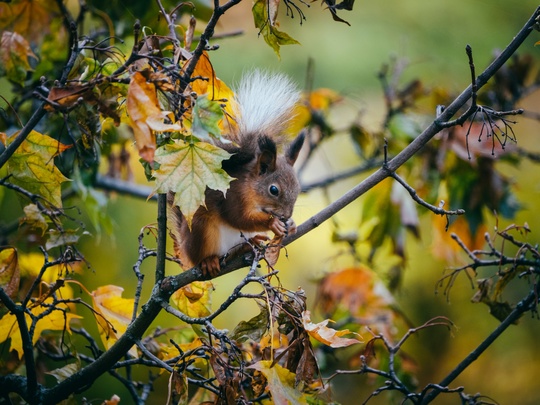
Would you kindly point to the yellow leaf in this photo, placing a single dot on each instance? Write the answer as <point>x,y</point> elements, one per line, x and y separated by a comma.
<point>280,383</point>
<point>194,299</point>
<point>9,271</point>
<point>58,320</point>
<point>187,169</point>
<point>113,314</point>
<point>146,115</point>
<point>326,335</point>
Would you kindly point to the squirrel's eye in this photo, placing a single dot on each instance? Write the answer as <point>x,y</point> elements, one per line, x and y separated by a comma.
<point>274,190</point>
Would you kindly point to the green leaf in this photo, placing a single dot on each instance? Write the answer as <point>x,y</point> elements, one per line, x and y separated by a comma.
<point>32,166</point>
<point>253,329</point>
<point>187,169</point>
<point>66,237</point>
<point>206,116</point>
<point>267,27</point>
<point>34,175</point>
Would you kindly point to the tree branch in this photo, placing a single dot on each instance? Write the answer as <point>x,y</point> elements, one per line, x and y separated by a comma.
<point>522,307</point>
<point>419,142</point>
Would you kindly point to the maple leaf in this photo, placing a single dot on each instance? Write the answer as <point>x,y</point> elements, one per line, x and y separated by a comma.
<point>58,320</point>
<point>146,115</point>
<point>326,335</point>
<point>14,54</point>
<point>32,166</point>
<point>187,169</point>
<point>9,271</point>
<point>280,383</point>
<point>113,314</point>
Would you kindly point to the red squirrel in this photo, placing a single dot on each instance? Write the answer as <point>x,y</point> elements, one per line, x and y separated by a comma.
<point>263,194</point>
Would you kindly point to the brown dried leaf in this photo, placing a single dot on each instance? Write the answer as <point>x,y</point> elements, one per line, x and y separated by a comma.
<point>271,254</point>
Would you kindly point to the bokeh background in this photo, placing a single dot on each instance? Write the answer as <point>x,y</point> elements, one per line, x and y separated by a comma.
<point>432,36</point>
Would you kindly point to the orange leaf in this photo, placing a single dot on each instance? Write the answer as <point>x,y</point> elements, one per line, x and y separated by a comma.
<point>14,54</point>
<point>328,336</point>
<point>357,289</point>
<point>216,89</point>
<point>146,115</point>
<point>30,18</point>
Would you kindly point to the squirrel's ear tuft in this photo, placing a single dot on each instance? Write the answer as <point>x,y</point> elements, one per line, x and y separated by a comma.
<point>294,148</point>
<point>266,160</point>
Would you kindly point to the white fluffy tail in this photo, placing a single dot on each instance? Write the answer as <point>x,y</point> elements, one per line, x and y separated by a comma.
<point>265,103</point>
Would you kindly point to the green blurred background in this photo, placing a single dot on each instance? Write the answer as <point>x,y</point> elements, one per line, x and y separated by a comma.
<point>432,36</point>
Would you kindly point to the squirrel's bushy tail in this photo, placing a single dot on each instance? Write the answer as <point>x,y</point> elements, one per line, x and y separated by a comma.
<point>264,103</point>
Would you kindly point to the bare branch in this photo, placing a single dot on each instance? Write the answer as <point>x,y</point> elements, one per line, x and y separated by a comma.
<point>523,306</point>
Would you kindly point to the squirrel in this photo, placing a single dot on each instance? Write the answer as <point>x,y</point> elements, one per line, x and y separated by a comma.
<point>265,189</point>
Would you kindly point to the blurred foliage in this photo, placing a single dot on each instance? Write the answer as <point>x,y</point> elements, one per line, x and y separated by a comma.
<point>108,73</point>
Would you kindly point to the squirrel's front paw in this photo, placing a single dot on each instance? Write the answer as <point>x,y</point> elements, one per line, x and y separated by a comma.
<point>282,228</point>
<point>210,266</point>
<point>291,227</point>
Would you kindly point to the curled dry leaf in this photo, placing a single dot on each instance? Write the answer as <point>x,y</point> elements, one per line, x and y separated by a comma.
<point>271,254</point>
<point>326,335</point>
